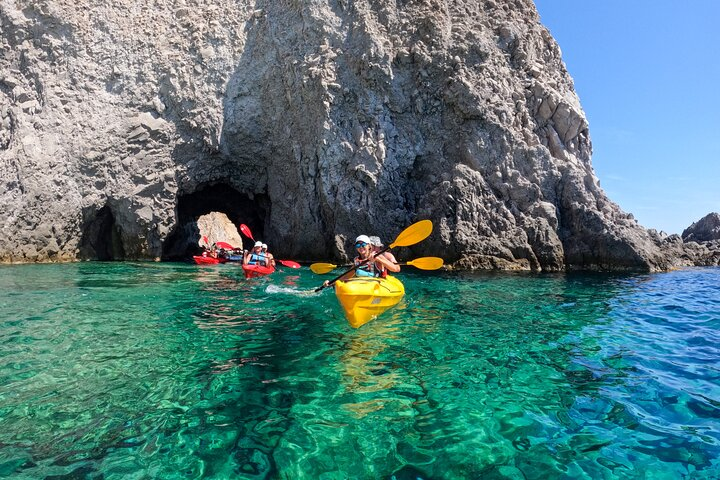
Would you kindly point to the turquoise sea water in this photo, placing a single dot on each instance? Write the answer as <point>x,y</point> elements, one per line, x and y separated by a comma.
<point>143,370</point>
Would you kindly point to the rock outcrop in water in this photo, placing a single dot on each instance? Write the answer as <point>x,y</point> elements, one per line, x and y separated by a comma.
<point>203,233</point>
<point>699,244</point>
<point>310,122</point>
<point>706,229</point>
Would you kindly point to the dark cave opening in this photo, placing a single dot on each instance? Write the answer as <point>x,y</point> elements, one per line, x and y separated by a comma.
<point>101,239</point>
<point>239,208</point>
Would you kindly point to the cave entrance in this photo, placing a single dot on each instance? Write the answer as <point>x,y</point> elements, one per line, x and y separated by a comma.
<point>101,238</point>
<point>239,208</point>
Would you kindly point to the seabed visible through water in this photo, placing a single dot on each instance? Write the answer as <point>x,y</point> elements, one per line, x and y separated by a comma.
<point>145,370</point>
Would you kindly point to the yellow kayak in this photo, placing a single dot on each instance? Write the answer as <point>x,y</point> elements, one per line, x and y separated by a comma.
<point>364,298</point>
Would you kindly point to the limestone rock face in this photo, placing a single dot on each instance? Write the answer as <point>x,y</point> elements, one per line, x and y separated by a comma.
<point>311,122</point>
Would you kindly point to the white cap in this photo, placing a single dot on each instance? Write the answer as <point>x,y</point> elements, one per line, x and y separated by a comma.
<point>264,245</point>
<point>258,244</point>
<point>363,239</point>
<point>375,241</point>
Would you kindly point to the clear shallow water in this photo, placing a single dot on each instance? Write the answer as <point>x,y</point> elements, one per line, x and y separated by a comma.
<point>118,370</point>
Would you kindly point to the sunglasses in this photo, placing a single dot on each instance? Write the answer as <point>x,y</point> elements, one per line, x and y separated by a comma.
<point>361,245</point>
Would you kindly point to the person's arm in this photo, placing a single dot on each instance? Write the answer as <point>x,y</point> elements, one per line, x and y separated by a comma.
<point>389,265</point>
<point>345,277</point>
<point>246,258</point>
<point>394,261</point>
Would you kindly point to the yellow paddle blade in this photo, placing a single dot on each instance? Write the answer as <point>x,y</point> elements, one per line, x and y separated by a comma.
<point>415,233</point>
<point>321,268</point>
<point>427,263</point>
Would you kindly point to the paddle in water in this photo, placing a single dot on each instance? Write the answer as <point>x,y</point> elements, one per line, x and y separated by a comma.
<point>246,231</point>
<point>289,263</point>
<point>415,233</point>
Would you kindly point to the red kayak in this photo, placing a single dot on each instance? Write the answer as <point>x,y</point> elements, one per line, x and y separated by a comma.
<point>200,260</point>
<point>252,271</point>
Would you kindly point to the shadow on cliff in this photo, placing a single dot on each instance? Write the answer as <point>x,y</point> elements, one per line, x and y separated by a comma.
<point>225,173</point>
<point>273,117</point>
<point>101,237</point>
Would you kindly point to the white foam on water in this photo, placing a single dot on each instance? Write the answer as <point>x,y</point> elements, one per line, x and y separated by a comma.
<point>288,290</point>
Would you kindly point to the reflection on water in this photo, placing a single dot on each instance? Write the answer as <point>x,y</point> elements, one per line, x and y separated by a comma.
<point>365,375</point>
<point>176,371</point>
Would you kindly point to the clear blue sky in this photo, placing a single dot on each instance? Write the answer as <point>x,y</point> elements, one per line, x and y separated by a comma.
<point>648,76</point>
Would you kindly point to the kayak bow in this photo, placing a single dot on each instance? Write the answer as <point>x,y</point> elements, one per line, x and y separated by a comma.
<point>252,271</point>
<point>364,298</point>
<point>200,260</point>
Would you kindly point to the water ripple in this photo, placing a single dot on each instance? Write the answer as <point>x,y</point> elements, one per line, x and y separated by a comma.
<point>175,371</point>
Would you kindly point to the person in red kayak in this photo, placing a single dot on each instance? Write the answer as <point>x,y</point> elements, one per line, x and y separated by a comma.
<point>269,256</point>
<point>256,256</point>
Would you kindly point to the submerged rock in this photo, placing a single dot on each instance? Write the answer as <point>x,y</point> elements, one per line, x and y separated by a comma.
<point>310,122</point>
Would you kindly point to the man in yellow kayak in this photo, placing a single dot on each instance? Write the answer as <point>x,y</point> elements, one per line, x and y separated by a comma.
<point>377,247</point>
<point>367,264</point>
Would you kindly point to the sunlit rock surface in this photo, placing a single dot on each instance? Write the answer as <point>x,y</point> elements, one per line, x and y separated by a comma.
<point>704,230</point>
<point>311,122</point>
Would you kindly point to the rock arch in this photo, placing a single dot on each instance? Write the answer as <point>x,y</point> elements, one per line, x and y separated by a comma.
<point>249,209</point>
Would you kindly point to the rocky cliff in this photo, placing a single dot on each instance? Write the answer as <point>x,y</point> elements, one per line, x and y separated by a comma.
<point>706,229</point>
<point>311,122</point>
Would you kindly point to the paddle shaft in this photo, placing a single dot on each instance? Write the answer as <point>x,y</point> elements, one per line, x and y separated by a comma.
<point>413,234</point>
<point>355,267</point>
<point>423,263</point>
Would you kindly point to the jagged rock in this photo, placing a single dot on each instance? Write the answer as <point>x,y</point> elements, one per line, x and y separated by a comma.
<point>687,254</point>
<point>195,235</point>
<point>309,121</point>
<point>704,230</point>
<point>704,254</point>
<point>217,227</point>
